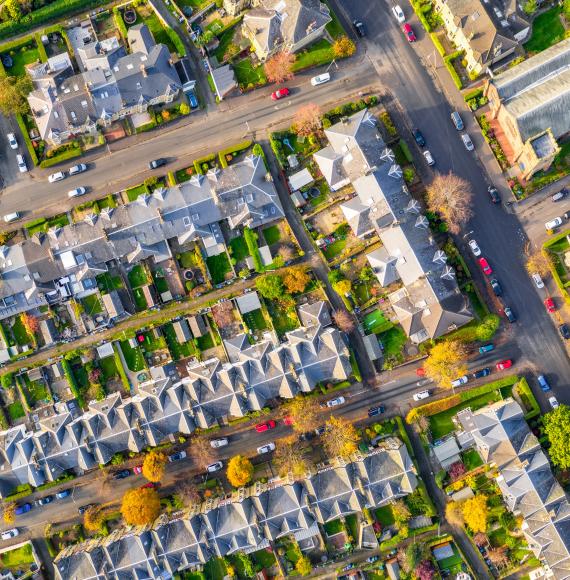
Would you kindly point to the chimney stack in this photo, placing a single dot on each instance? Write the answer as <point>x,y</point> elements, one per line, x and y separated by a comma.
<point>143,71</point>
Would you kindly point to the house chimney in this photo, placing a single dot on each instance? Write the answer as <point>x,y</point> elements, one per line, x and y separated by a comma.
<point>143,71</point>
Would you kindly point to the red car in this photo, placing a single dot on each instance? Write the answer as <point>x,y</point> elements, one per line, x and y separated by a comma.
<point>151,485</point>
<point>420,372</point>
<point>137,470</point>
<point>487,270</point>
<point>549,303</point>
<point>280,93</point>
<point>504,365</point>
<point>409,32</point>
<point>288,421</point>
<point>261,427</point>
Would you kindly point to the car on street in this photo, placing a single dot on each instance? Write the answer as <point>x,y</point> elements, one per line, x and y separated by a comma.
<point>280,93</point>
<point>137,470</point>
<point>538,280</point>
<point>22,509</point>
<point>321,79</point>
<point>429,157</point>
<point>409,32</point>
<point>63,494</point>
<point>12,141</point>
<point>423,382</point>
<point>481,373</point>
<point>419,138</point>
<point>550,306</point>
<point>559,196</point>
<point>9,534</point>
<point>178,456</point>
<point>57,176</point>
<point>487,270</point>
<point>564,331</point>
<point>373,411</point>
<point>457,121</point>
<point>12,217</point>
<point>496,286</point>
<point>221,442</point>
<point>554,223</point>
<point>150,485</point>
<point>467,142</point>
<point>83,508</point>
<point>372,559</point>
<point>554,402</point>
<point>504,364</point>
<point>288,421</point>
<point>76,192</point>
<point>494,194</point>
<point>156,163</point>
<point>336,402</point>
<point>460,381</point>
<point>359,27</point>
<point>399,14</point>
<point>320,430</point>
<point>45,500</point>
<point>421,372</point>
<point>510,314</point>
<point>21,163</point>
<point>486,348</point>
<point>543,383</point>
<point>122,474</point>
<point>421,395</point>
<point>475,248</point>
<point>77,169</point>
<point>267,448</point>
<point>261,427</point>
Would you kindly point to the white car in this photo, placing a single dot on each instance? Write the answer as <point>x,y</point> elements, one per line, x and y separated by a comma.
<point>21,163</point>
<point>429,157</point>
<point>321,79</point>
<point>467,142</point>
<point>222,442</point>
<point>76,192</point>
<point>266,448</point>
<point>553,224</point>
<point>213,467</point>
<point>79,168</point>
<point>538,280</point>
<point>9,534</point>
<point>336,402</point>
<point>553,402</point>
<point>399,14</point>
<point>12,140</point>
<point>475,248</point>
<point>56,177</point>
<point>421,395</point>
<point>460,381</point>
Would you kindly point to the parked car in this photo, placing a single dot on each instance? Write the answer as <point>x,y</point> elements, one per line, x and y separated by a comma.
<point>150,485</point>
<point>12,217</point>
<point>510,314</point>
<point>460,381</point>
<point>494,194</point>
<point>336,402</point>
<point>481,373</point>
<point>261,427</point>
<point>553,224</point>
<point>560,195</point>
<point>221,442</point>
<point>486,348</point>
<point>373,411</point>
<point>321,79</point>
<point>538,280</point>
<point>23,509</point>
<point>268,448</point>
<point>320,430</point>
<point>409,32</point>
<point>77,169</point>
<point>429,157</point>
<point>487,270</point>
<point>122,474</point>
<point>12,141</point>
<point>193,100</point>
<point>467,142</point>
<point>418,136</point>
<point>543,383</point>
<point>504,364</point>
<point>288,421</point>
<point>280,93</point>
<point>421,395</point>
<point>399,14</point>
<point>457,121</point>
<point>564,330</point>
<point>497,288</point>
<point>9,534</point>
<point>137,470</point>
<point>57,176</point>
<point>359,27</point>
<point>475,248</point>
<point>421,372</point>
<point>549,303</point>
<point>21,163</point>
<point>372,559</point>
<point>45,500</point>
<point>156,163</point>
<point>554,402</point>
<point>83,508</point>
<point>76,192</point>
<point>63,494</point>
<point>178,456</point>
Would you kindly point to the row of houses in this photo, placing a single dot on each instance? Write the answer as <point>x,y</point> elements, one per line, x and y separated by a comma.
<point>64,262</point>
<point>67,439</point>
<point>246,524</point>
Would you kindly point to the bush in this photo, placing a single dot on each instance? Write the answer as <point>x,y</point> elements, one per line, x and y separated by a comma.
<point>389,124</point>
<point>119,22</point>
<point>58,158</point>
<point>176,41</point>
<point>202,165</point>
<point>448,60</point>
<point>437,44</point>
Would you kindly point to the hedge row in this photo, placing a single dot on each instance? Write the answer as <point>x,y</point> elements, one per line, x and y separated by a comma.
<point>120,23</point>
<point>404,435</point>
<point>448,60</point>
<point>198,162</point>
<point>72,382</point>
<point>554,239</point>
<point>26,135</point>
<point>21,491</point>
<point>420,13</point>
<point>258,150</point>
<point>474,94</point>
<point>121,370</point>
<point>61,157</point>
<point>251,242</point>
<point>176,40</point>
<point>355,368</point>
<point>234,149</point>
<point>437,43</point>
<point>55,483</point>
<point>41,48</point>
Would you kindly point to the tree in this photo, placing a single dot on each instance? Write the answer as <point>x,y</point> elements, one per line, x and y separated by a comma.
<point>304,413</point>
<point>188,493</point>
<point>446,362</point>
<point>400,513</point>
<point>481,539</point>
<point>425,570</point>
<point>367,274</point>
<point>307,120</point>
<point>223,314</point>
<point>557,428</point>
<point>240,471</point>
<point>454,513</point>
<point>201,451</point>
<point>340,437</point>
<point>13,95</point>
<point>14,9</point>
<point>94,518</point>
<point>9,514</point>
<point>95,375</point>
<point>153,466</point>
<point>451,197</point>
<point>475,512</point>
<point>538,263</point>
<point>289,458</point>
<point>343,47</point>
<point>30,323</point>
<point>456,470</point>
<point>414,554</point>
<point>343,287</point>
<point>286,252</point>
<point>279,67</point>
<point>343,320</point>
<point>304,566</point>
<point>140,506</point>
<point>499,556</point>
<point>295,279</point>
<point>270,286</point>
<point>184,108</point>
<point>530,7</point>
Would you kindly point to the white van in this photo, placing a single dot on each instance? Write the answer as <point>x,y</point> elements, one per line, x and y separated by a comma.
<point>321,79</point>
<point>421,395</point>
<point>12,217</point>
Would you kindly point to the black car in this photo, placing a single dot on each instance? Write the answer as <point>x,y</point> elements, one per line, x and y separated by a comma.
<point>510,315</point>
<point>376,410</point>
<point>122,474</point>
<point>83,508</point>
<point>482,373</point>
<point>359,27</point>
<point>564,330</point>
<point>418,136</point>
<point>320,430</point>
<point>45,500</point>
<point>156,163</point>
<point>494,194</point>
<point>496,287</point>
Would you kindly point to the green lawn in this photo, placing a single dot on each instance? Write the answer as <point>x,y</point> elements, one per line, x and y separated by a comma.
<point>218,266</point>
<point>239,248</point>
<point>497,537</point>
<point>334,249</point>
<point>177,350</point>
<point>393,341</point>
<point>92,304</point>
<point>160,282</point>
<point>108,367</point>
<point>134,192</point>
<point>15,410</point>
<point>272,235</point>
<point>453,563</point>
<point>152,343</point>
<point>255,320</point>
<point>384,516</point>
<point>18,558</point>
<point>158,31</point>
<point>21,57</point>
<point>133,356</point>
<point>205,342</point>
<point>138,276</point>
<point>35,390</point>
<point>140,300</point>
<point>43,225</point>
<point>471,459</point>
<point>264,558</point>
<point>334,27</point>
<point>352,526</point>
<point>334,527</point>
<point>107,283</point>
<point>546,30</point>
<point>80,374</point>
<point>246,74</point>
<point>224,41</point>
<point>283,320</point>
<point>317,54</point>
<point>19,332</point>
<point>215,26</point>
<point>361,291</point>
<point>375,322</point>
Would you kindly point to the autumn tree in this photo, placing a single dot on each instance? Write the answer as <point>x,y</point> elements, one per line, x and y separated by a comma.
<point>9,513</point>
<point>400,512</point>
<point>94,518</point>
<point>499,556</point>
<point>343,287</point>
<point>303,566</point>
<point>240,471</point>
<point>475,512</point>
<point>343,320</point>
<point>13,94</point>
<point>201,451</point>
<point>295,279</point>
<point>557,428</point>
<point>188,493</point>
<point>446,362</point>
<point>223,314</point>
<point>30,323</point>
<point>153,466</point>
<point>270,286</point>
<point>307,120</point>
<point>140,506</point>
<point>304,413</point>
<point>450,196</point>
<point>481,539</point>
<point>454,513</point>
<point>286,252</point>
<point>425,570</point>
<point>289,458</point>
<point>340,437</point>
<point>538,263</point>
<point>279,67</point>
<point>343,47</point>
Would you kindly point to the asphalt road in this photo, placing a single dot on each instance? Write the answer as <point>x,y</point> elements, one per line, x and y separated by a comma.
<point>498,232</point>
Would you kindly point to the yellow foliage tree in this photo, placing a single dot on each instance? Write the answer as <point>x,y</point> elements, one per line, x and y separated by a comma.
<point>153,466</point>
<point>304,413</point>
<point>9,514</point>
<point>296,279</point>
<point>538,263</point>
<point>303,566</point>
<point>343,47</point>
<point>454,513</point>
<point>475,512</point>
<point>141,506</point>
<point>340,437</point>
<point>446,362</point>
<point>240,471</point>
<point>343,287</point>
<point>289,458</point>
<point>93,519</point>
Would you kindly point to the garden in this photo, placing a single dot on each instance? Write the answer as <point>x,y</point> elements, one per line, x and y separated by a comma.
<point>34,391</point>
<point>219,267</point>
<point>255,321</point>
<point>556,250</point>
<point>133,356</point>
<point>106,282</point>
<point>25,53</point>
<point>18,559</point>
<point>547,30</point>
<point>178,350</point>
<point>92,305</point>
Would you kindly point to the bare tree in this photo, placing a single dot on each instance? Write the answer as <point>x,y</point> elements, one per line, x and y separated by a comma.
<point>286,252</point>
<point>223,314</point>
<point>307,120</point>
<point>538,263</point>
<point>201,451</point>
<point>289,458</point>
<point>188,493</point>
<point>343,320</point>
<point>340,438</point>
<point>499,557</point>
<point>450,196</point>
<point>279,67</point>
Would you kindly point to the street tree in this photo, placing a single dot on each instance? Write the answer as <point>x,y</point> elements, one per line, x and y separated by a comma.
<point>446,362</point>
<point>303,566</point>
<point>307,120</point>
<point>286,252</point>
<point>279,67</point>
<point>223,314</point>
<point>153,466</point>
<point>9,513</point>
<point>188,493</point>
<point>538,263</point>
<point>450,196</point>
<point>557,428</point>
<point>289,458</point>
<point>343,320</point>
<point>303,412</point>
<point>343,47</point>
<point>295,279</point>
<point>340,438</point>
<point>454,513</point>
<point>475,513</point>
<point>270,286</point>
<point>140,506</point>
<point>240,471</point>
<point>13,95</point>
<point>201,451</point>
<point>94,518</point>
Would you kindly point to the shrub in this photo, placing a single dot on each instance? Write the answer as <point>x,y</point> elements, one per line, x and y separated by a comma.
<point>448,60</point>
<point>176,41</point>
<point>251,240</point>
<point>389,124</point>
<point>119,22</point>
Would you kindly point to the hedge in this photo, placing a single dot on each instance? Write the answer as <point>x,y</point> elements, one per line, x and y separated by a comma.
<point>251,242</point>
<point>524,392</point>
<point>418,10</point>
<point>355,368</point>
<point>56,482</point>
<point>50,547</point>
<point>555,239</point>
<point>234,149</point>
<point>61,157</point>
<point>72,382</point>
<point>120,23</point>
<point>198,162</point>
<point>121,370</point>
<point>437,44</point>
<point>177,41</point>
<point>171,179</point>
<point>474,94</point>
<point>19,492</point>
<point>448,60</point>
<point>404,435</point>
<point>277,148</point>
<point>26,135</point>
<point>258,150</point>
<point>41,48</point>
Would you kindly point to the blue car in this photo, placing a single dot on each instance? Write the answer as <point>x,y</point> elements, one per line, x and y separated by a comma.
<point>23,509</point>
<point>543,383</point>
<point>482,373</point>
<point>63,494</point>
<point>486,348</point>
<point>193,100</point>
